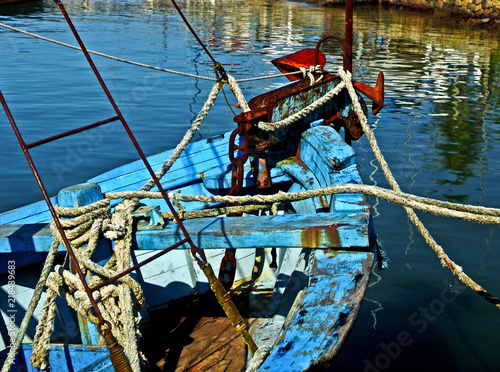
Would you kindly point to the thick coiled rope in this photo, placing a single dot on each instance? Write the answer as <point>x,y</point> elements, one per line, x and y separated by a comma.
<point>115,301</point>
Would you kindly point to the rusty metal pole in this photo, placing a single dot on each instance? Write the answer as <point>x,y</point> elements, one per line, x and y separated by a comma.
<point>117,355</point>
<point>197,254</point>
<point>348,35</point>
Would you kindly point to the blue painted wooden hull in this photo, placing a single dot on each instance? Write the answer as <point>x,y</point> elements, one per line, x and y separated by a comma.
<point>324,251</point>
<point>68,358</point>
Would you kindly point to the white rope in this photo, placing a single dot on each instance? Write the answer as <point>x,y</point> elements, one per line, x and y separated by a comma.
<point>187,137</point>
<point>278,125</point>
<point>114,301</point>
<point>41,341</point>
<point>258,358</point>
<point>309,73</point>
<point>122,250</point>
<point>446,209</point>
<point>139,64</point>
<point>233,85</point>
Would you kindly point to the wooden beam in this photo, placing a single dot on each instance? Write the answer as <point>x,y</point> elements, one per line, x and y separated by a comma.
<point>324,230</point>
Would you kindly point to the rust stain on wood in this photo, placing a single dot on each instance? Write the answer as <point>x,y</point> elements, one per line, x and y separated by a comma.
<point>321,236</point>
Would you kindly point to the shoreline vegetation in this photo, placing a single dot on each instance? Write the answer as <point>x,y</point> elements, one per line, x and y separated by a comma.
<point>455,10</point>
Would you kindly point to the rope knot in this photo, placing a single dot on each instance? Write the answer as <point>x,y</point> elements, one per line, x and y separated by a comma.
<point>309,73</point>
<point>113,231</point>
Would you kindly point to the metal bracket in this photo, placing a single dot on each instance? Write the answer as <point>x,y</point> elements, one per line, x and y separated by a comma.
<point>149,218</point>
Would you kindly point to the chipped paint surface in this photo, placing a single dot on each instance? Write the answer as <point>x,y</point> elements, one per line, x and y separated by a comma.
<point>75,358</point>
<point>303,175</point>
<point>328,305</point>
<point>325,310</point>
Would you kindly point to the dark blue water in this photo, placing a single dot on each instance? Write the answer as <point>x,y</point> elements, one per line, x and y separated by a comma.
<point>439,132</point>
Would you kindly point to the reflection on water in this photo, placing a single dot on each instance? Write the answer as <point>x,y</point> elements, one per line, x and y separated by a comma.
<point>439,132</point>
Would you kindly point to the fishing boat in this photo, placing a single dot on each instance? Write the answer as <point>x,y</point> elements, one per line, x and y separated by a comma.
<point>292,258</point>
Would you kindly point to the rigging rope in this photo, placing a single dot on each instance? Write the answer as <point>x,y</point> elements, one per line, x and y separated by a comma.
<point>86,228</point>
<point>443,257</point>
<point>466,212</point>
<point>139,64</point>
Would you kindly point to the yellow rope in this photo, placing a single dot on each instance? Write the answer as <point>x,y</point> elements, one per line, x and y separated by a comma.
<point>229,307</point>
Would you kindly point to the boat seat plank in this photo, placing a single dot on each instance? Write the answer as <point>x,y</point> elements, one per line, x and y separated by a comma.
<point>324,230</point>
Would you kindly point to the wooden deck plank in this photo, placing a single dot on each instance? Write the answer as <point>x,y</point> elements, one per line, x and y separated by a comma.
<point>193,334</point>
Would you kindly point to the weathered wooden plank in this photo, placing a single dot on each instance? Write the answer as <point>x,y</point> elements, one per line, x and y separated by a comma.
<point>324,150</point>
<point>197,159</point>
<point>324,230</point>
<point>289,230</point>
<point>333,162</point>
<point>33,213</point>
<point>306,178</point>
<point>25,238</point>
<point>214,345</point>
<point>325,311</point>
